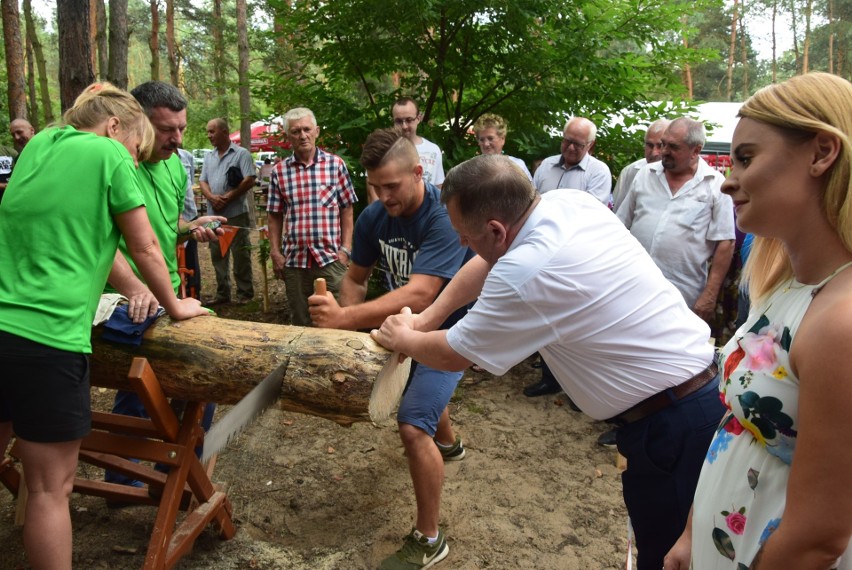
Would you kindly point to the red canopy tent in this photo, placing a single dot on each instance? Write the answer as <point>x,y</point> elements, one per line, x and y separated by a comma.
<point>263,137</point>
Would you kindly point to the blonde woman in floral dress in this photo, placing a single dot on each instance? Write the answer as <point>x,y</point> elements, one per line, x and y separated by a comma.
<point>776,487</point>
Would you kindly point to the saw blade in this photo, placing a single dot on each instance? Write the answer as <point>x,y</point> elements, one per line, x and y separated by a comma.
<point>243,413</point>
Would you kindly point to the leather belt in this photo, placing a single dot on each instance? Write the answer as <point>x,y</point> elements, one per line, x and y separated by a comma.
<point>666,398</point>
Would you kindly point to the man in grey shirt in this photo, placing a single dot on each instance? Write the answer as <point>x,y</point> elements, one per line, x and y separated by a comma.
<point>227,174</point>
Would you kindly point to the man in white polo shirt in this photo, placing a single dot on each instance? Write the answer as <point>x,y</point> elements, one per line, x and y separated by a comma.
<point>559,274</point>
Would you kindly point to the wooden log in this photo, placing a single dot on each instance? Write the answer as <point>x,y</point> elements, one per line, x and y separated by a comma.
<point>329,373</point>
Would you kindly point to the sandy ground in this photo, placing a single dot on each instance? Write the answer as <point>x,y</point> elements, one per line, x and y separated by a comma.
<point>535,491</point>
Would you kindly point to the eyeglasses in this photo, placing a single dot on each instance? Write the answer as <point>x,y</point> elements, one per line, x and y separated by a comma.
<point>404,121</point>
<point>575,144</point>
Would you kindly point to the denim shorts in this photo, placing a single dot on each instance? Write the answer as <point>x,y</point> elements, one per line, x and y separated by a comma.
<point>427,394</point>
<point>44,391</point>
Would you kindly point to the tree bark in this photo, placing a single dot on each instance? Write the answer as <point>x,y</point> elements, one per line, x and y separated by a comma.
<point>171,45</point>
<point>774,42</point>
<point>732,49</point>
<point>154,41</point>
<point>793,20</point>
<point>32,96</point>
<point>219,60</point>
<point>101,40</point>
<point>831,34</point>
<point>75,51</point>
<point>93,31</point>
<point>245,100</point>
<point>329,373</point>
<point>117,67</point>
<point>17,85</point>
<point>806,44</point>
<point>687,70</point>
<point>44,90</point>
<point>744,51</point>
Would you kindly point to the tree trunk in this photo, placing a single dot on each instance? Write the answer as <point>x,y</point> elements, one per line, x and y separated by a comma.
<point>793,20</point>
<point>93,31</point>
<point>687,70</point>
<point>171,45</point>
<point>732,49</point>
<point>831,34</point>
<point>219,60</point>
<point>774,42</point>
<point>117,68</point>
<point>101,40</point>
<point>329,373</point>
<point>75,52</point>
<point>744,51</point>
<point>44,91</point>
<point>806,44</point>
<point>32,96</point>
<point>154,41</point>
<point>17,84</point>
<point>245,101</point>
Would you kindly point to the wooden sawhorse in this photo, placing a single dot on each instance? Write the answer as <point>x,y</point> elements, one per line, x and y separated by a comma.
<point>161,439</point>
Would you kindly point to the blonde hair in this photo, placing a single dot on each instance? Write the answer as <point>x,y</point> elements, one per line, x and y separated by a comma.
<point>491,121</point>
<point>802,107</point>
<point>100,101</point>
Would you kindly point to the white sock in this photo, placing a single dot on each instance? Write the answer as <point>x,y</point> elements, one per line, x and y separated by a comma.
<point>431,540</point>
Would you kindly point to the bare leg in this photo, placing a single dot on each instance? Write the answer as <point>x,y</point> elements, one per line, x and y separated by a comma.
<point>427,474</point>
<point>444,434</point>
<point>49,470</point>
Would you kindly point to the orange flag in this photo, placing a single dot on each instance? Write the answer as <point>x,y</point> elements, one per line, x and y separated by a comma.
<point>226,238</point>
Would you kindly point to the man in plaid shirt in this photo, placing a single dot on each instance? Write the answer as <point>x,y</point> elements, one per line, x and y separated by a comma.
<point>309,213</point>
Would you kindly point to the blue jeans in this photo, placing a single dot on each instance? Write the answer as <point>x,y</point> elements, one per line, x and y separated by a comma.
<point>665,452</point>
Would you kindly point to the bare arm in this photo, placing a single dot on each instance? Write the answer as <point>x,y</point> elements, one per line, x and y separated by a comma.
<point>218,202</point>
<point>275,227</point>
<point>145,251</point>
<point>706,303</point>
<point>347,224</point>
<point>353,313</point>
<point>142,303</point>
<point>817,521</point>
<point>246,185</point>
<point>464,288</point>
<point>678,558</point>
<point>429,348</point>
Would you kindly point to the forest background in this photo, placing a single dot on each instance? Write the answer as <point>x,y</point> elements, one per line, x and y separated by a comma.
<point>535,62</point>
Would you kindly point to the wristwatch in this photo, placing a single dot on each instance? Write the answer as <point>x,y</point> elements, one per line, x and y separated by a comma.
<point>345,250</point>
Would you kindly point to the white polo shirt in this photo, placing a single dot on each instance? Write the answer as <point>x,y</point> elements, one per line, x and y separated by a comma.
<point>577,287</point>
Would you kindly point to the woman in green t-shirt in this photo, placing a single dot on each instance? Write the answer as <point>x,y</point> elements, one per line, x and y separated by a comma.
<point>71,196</point>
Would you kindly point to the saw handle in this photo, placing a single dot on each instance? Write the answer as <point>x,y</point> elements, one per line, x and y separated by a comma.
<point>319,286</point>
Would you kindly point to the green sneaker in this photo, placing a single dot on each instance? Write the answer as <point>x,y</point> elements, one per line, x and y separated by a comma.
<point>454,452</point>
<point>416,553</point>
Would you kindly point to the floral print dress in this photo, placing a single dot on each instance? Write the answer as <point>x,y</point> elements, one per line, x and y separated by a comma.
<point>742,489</point>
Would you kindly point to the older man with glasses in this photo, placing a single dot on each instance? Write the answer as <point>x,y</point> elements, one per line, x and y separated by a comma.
<point>575,168</point>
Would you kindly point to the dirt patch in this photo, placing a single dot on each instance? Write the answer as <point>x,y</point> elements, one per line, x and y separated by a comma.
<point>535,491</point>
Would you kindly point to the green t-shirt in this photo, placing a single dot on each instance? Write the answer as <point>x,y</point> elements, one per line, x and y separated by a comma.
<point>163,186</point>
<point>58,234</point>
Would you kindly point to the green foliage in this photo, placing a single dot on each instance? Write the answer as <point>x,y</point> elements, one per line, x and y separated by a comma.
<point>533,61</point>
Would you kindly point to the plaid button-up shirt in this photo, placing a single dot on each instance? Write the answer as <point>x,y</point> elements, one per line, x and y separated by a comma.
<point>310,197</point>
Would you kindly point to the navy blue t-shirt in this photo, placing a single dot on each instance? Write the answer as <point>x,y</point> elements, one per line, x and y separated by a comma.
<point>424,243</point>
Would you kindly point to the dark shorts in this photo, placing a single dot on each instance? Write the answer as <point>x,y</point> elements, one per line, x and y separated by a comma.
<point>44,391</point>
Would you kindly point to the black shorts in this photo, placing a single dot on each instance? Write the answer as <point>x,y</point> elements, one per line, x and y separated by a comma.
<point>44,391</point>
